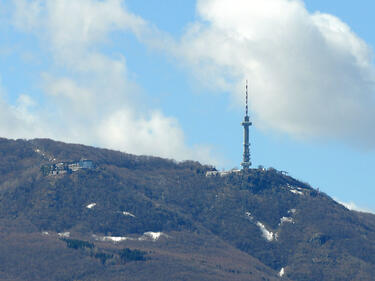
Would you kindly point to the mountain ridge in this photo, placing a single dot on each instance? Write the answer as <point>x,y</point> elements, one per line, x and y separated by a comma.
<point>265,221</point>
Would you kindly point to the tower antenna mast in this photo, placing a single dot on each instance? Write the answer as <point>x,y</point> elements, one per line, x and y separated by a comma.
<point>246,124</point>
<point>247,110</point>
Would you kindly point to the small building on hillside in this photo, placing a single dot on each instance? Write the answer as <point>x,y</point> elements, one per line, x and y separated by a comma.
<point>223,173</point>
<point>66,167</point>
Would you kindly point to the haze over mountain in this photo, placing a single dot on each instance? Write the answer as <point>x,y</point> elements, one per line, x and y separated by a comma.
<point>73,212</point>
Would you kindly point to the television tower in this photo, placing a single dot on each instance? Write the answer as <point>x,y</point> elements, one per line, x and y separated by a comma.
<point>246,145</point>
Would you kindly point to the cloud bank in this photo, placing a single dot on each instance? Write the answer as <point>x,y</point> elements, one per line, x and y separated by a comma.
<point>310,75</point>
<point>353,207</point>
<point>88,95</point>
<point>17,120</point>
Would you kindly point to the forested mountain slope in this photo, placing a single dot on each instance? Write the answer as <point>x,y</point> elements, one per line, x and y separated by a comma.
<point>146,218</point>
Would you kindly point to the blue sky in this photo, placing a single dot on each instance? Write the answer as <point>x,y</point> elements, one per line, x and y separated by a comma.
<point>167,78</point>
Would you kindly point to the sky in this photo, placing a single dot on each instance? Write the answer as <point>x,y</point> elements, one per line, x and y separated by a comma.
<point>167,78</point>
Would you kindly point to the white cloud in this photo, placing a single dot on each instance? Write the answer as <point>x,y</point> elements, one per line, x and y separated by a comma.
<point>94,101</point>
<point>353,207</point>
<point>17,120</point>
<point>27,14</point>
<point>155,133</point>
<point>310,75</point>
<point>73,25</point>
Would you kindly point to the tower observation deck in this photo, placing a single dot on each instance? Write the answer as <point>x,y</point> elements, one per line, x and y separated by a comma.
<point>246,163</point>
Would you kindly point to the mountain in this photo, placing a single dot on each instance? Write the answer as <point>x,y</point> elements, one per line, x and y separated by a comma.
<point>73,212</point>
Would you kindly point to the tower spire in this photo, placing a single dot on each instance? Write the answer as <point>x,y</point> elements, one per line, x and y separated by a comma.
<point>246,100</point>
<point>246,124</point>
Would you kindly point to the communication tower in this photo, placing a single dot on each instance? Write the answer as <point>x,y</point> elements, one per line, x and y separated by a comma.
<point>246,163</point>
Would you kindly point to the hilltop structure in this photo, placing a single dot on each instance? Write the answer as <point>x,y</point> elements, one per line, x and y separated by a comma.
<point>246,163</point>
<point>66,167</point>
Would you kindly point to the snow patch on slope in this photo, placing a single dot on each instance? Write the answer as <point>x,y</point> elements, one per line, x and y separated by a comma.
<point>147,236</point>
<point>286,219</point>
<point>128,214</point>
<point>268,235</point>
<point>154,236</point>
<point>282,272</point>
<point>90,206</point>
<point>44,155</point>
<point>248,214</point>
<point>115,239</point>
<point>295,191</point>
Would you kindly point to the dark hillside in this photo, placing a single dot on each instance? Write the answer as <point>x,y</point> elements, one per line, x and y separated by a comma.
<point>185,225</point>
